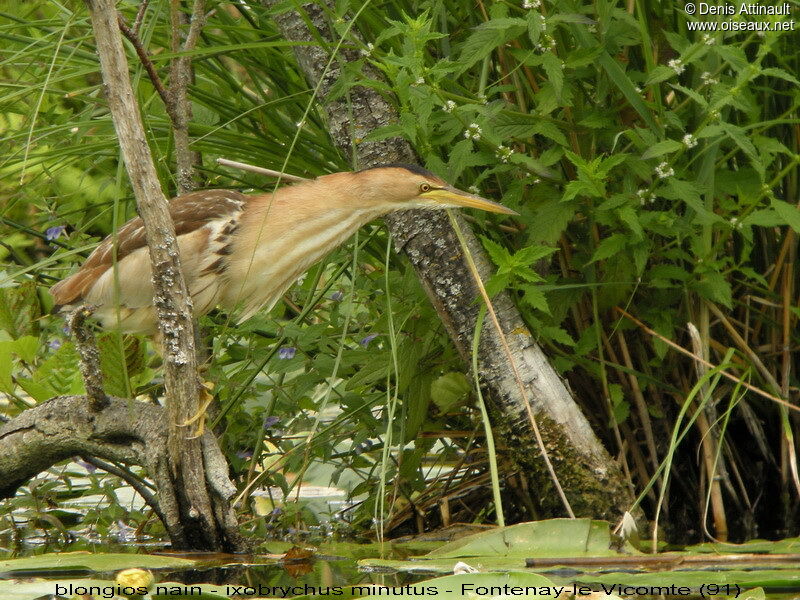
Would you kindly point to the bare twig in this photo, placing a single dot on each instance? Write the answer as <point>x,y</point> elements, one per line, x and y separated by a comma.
<point>148,65</point>
<point>132,480</point>
<point>260,170</point>
<point>89,357</point>
<point>137,23</point>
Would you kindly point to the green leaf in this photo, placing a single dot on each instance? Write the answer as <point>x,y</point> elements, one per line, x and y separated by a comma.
<point>26,348</point>
<point>499,255</point>
<point>609,247</point>
<point>535,298</point>
<point>788,213</point>
<point>662,148</point>
<point>6,364</point>
<point>714,287</point>
<point>781,74</point>
<point>449,391</point>
<point>488,36</point>
<point>659,74</point>
<point>739,136</point>
<point>628,89</point>
<point>554,67</point>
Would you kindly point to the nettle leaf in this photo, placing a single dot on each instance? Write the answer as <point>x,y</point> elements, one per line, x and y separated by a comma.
<point>767,217</point>
<point>497,283</point>
<point>661,148</point>
<point>550,220</point>
<point>535,25</point>
<point>499,255</point>
<point>659,74</point>
<point>691,94</point>
<point>535,297</point>
<point>531,254</point>
<point>713,286</point>
<point>734,55</point>
<point>609,247</point>
<point>549,130</point>
<point>386,131</point>
<point>738,135</point>
<point>557,334</point>
<point>780,74</point>
<point>459,159</point>
<point>554,67</point>
<point>788,213</point>
<point>628,216</point>
<point>488,36</point>
<point>514,125</point>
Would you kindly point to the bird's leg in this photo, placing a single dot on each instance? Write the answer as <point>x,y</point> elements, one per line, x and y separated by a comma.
<point>89,357</point>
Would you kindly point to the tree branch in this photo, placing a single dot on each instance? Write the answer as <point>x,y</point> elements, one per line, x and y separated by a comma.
<point>179,79</point>
<point>203,522</point>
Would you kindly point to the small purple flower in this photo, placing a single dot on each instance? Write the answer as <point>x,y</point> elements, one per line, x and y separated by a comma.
<point>270,421</point>
<point>88,466</point>
<point>245,454</point>
<point>287,352</point>
<point>54,232</point>
<point>365,342</point>
<point>337,296</point>
<point>54,344</point>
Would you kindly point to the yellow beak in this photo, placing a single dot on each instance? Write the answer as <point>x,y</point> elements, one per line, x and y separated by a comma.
<point>453,197</point>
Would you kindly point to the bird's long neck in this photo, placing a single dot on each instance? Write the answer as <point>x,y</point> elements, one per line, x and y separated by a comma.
<point>285,233</point>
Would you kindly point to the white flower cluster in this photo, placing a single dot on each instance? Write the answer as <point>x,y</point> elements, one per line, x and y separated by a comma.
<point>676,65</point>
<point>449,106</point>
<point>689,140</point>
<point>736,223</point>
<point>645,197</point>
<point>546,42</point>
<point>531,4</point>
<point>503,153</point>
<point>473,132</point>
<point>368,50</point>
<point>664,170</point>
<point>707,79</point>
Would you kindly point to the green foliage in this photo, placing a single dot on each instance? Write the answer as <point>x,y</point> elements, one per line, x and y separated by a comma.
<point>655,170</point>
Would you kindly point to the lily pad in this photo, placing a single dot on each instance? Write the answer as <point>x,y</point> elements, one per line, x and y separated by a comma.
<point>506,548</point>
<point>497,586</point>
<point>85,562</point>
<point>553,538</point>
<point>785,546</point>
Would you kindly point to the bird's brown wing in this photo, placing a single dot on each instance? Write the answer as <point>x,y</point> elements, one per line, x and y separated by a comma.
<point>190,213</point>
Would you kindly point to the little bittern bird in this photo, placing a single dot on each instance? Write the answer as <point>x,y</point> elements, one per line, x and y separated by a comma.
<point>242,252</point>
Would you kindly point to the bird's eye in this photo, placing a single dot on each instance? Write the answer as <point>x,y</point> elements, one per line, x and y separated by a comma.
<point>425,187</point>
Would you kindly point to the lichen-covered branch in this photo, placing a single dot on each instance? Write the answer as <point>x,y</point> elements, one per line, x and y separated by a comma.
<point>198,527</point>
<point>124,431</point>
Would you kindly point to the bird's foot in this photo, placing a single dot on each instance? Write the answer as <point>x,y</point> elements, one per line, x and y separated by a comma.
<point>206,398</point>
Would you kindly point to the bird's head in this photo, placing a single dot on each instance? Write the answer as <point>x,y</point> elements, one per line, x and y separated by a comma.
<point>400,186</point>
